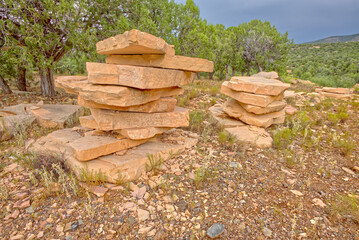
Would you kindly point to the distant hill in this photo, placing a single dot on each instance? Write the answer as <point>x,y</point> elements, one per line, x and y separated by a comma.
<point>334,39</point>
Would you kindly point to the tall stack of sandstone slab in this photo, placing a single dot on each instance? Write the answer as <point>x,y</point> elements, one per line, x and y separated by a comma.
<point>255,101</point>
<point>133,106</point>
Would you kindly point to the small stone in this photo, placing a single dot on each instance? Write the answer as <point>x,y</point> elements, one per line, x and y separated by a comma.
<point>215,230</point>
<point>59,228</point>
<point>139,193</point>
<point>74,226</point>
<point>267,232</point>
<point>40,234</point>
<point>143,214</point>
<point>296,192</point>
<point>68,237</point>
<point>81,222</point>
<point>235,165</point>
<point>31,237</point>
<point>29,210</point>
<point>14,215</point>
<point>144,230</point>
<point>347,170</point>
<point>17,237</point>
<point>242,227</point>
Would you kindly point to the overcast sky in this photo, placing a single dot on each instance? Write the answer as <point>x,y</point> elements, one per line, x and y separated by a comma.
<point>304,20</point>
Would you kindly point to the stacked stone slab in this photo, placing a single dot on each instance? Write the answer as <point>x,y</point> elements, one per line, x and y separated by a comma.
<point>132,102</point>
<point>256,101</point>
<point>337,93</point>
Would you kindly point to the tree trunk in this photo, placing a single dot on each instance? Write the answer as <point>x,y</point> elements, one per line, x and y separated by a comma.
<point>4,86</point>
<point>248,69</point>
<point>47,82</point>
<point>233,72</point>
<point>198,76</point>
<point>21,78</point>
<point>211,75</point>
<point>221,75</point>
<point>259,68</point>
<point>226,72</point>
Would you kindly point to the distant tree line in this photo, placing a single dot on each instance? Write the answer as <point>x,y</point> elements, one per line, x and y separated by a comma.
<point>328,64</point>
<point>59,36</point>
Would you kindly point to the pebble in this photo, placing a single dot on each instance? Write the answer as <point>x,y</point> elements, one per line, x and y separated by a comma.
<point>68,237</point>
<point>215,230</point>
<point>29,210</point>
<point>235,165</point>
<point>267,232</point>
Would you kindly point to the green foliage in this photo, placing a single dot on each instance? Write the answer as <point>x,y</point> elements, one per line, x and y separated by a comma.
<point>60,36</point>
<point>346,206</point>
<point>327,64</point>
<point>283,137</point>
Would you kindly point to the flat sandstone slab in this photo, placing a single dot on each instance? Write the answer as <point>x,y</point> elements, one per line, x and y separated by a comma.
<point>90,147</point>
<point>57,115</point>
<point>161,105</point>
<point>336,95</point>
<point>134,42</point>
<point>88,122</point>
<point>249,98</point>
<point>115,120</point>
<point>235,110</point>
<point>222,118</point>
<point>163,61</point>
<point>136,77</point>
<point>115,168</point>
<point>272,107</point>
<point>268,75</point>
<point>251,135</point>
<point>113,95</point>
<point>336,90</point>
<point>258,85</point>
<point>142,133</point>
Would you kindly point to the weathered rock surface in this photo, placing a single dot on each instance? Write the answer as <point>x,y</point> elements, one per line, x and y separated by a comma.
<point>249,98</point>
<point>142,133</point>
<point>258,85</point>
<point>113,95</point>
<point>56,115</point>
<point>114,120</point>
<point>88,122</point>
<point>289,94</point>
<point>222,118</point>
<point>290,110</point>
<point>235,110</point>
<point>90,147</point>
<point>16,109</point>
<point>336,95</point>
<point>268,75</point>
<point>161,105</point>
<point>336,90</point>
<point>272,107</point>
<point>134,42</point>
<point>15,124</point>
<point>129,166</point>
<point>136,77</point>
<point>163,61</point>
<point>251,135</point>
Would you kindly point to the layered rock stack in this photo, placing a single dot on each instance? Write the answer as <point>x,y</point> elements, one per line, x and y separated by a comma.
<point>255,101</point>
<point>337,93</point>
<point>132,102</point>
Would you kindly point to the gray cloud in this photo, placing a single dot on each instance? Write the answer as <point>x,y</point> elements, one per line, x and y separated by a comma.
<point>304,20</point>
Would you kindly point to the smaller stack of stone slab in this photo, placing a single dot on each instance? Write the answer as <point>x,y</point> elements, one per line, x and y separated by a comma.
<point>256,101</point>
<point>337,93</point>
